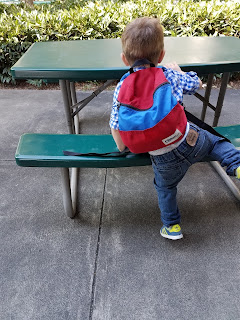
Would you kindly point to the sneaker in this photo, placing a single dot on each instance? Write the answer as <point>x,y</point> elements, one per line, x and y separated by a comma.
<point>237,172</point>
<point>173,232</point>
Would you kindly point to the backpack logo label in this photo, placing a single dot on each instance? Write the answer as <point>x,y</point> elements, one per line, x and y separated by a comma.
<point>177,134</point>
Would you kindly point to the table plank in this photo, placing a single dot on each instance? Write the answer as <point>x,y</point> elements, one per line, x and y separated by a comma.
<point>100,59</point>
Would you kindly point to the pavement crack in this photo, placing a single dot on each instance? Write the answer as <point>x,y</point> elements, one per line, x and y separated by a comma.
<point>97,252</point>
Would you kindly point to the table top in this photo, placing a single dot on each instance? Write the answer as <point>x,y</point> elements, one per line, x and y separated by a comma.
<point>100,59</point>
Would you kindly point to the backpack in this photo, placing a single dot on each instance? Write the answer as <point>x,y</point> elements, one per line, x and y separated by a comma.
<point>150,117</point>
<point>143,125</point>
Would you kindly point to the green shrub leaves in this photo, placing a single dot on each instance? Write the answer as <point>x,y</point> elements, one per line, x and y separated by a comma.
<point>21,25</point>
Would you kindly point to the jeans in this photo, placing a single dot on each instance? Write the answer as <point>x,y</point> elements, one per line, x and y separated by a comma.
<point>170,168</point>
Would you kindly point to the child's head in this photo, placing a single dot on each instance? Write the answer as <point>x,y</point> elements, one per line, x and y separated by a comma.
<point>143,38</point>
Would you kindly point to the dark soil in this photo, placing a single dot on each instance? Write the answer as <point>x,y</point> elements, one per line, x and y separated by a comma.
<point>93,85</point>
<point>83,86</point>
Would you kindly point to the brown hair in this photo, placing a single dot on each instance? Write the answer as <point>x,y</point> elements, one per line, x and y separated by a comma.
<point>143,38</point>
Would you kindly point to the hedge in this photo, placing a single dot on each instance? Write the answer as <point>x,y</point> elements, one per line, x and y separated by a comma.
<point>21,25</point>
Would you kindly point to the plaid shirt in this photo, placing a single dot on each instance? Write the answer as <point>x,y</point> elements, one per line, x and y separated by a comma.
<point>186,83</point>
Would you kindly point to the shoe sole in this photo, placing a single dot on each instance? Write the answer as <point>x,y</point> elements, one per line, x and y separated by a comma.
<point>180,236</point>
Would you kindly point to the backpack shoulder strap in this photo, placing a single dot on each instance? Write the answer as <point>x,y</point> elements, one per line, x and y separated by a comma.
<point>140,62</point>
<point>203,125</point>
<point>106,154</point>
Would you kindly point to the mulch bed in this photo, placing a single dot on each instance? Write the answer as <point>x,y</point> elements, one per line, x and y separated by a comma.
<point>91,85</point>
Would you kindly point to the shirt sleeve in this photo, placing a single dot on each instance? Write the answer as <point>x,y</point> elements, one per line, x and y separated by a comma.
<point>190,82</point>
<point>182,83</point>
<point>113,123</point>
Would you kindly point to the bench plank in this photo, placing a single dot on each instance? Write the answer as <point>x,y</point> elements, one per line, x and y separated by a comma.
<point>46,150</point>
<point>232,133</point>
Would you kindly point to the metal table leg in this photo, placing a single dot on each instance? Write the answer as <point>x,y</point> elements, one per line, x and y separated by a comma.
<point>75,171</point>
<point>74,101</point>
<point>67,104</point>
<point>221,95</point>
<point>67,199</point>
<point>69,98</point>
<point>216,165</point>
<point>70,185</point>
<point>207,95</point>
<point>217,111</point>
<point>218,108</point>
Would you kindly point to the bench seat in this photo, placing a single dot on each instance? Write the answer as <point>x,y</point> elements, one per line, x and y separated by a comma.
<point>46,150</point>
<point>232,133</point>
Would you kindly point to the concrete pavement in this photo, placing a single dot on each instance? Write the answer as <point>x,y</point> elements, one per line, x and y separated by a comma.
<point>110,263</point>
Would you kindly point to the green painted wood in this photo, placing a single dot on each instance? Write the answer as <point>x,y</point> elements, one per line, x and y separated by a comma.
<point>46,150</point>
<point>232,133</point>
<point>100,59</point>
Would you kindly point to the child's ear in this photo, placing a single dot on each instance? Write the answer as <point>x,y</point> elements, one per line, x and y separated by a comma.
<point>162,54</point>
<point>124,59</point>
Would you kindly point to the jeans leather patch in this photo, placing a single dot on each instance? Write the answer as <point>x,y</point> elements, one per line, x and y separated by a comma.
<point>192,137</point>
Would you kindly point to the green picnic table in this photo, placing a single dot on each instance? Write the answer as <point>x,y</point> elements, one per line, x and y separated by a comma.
<point>70,61</point>
<point>82,60</point>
